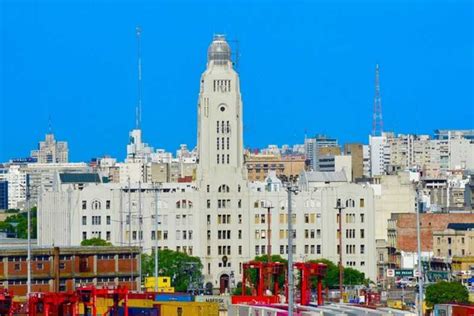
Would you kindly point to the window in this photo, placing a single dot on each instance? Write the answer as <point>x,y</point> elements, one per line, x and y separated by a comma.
<point>217,127</point>
<point>208,219</point>
<point>228,158</point>
<point>240,250</point>
<point>318,249</point>
<point>208,250</point>
<point>362,249</point>
<point>361,218</point>
<point>361,203</point>
<point>228,143</point>
<point>96,205</point>
<point>306,218</point>
<point>107,204</point>
<point>240,217</point>
<point>208,203</point>
<point>84,220</point>
<point>84,205</point>
<point>96,220</point>
<point>208,188</point>
<point>362,233</point>
<point>217,143</point>
<point>107,236</point>
<point>108,220</point>
<point>40,266</point>
<point>218,158</point>
<point>84,235</point>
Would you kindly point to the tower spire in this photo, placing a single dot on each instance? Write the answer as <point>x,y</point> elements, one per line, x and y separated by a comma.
<point>138,110</point>
<point>377,120</point>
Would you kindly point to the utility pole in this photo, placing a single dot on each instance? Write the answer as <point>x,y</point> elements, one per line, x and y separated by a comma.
<point>418,240</point>
<point>130,228</point>
<point>339,207</point>
<point>28,261</point>
<point>269,243</point>
<point>290,189</point>
<point>140,234</point>
<point>157,188</point>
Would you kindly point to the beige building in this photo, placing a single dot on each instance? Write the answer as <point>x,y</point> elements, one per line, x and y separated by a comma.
<point>393,194</point>
<point>51,151</point>
<point>356,151</point>
<point>457,240</point>
<point>259,165</point>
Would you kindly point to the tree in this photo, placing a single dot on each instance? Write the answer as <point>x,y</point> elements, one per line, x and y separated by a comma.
<point>182,268</point>
<point>95,242</point>
<point>17,223</point>
<point>446,292</point>
<point>351,276</point>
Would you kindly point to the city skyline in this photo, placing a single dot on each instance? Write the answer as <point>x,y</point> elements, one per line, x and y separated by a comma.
<point>94,113</point>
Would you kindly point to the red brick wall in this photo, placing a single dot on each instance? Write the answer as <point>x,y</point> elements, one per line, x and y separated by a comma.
<point>125,265</point>
<point>406,229</point>
<point>105,266</point>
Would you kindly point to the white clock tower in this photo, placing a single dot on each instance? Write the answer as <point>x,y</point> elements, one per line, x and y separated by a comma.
<point>220,141</point>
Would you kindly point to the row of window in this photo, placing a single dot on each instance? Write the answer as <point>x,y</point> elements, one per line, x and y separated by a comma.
<point>223,161</point>
<point>351,218</point>
<point>224,219</point>
<point>222,188</point>
<point>96,220</point>
<point>97,234</point>
<point>221,144</point>
<point>221,85</point>
<point>224,203</point>
<point>222,128</point>
<point>96,205</point>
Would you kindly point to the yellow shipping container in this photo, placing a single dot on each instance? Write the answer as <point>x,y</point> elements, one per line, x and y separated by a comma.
<point>189,309</point>
<point>397,304</point>
<point>164,284</point>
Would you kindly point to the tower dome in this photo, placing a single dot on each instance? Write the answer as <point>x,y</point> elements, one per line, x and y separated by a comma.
<point>219,50</point>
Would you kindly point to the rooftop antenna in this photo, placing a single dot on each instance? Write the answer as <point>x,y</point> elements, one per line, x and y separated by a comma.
<point>138,111</point>
<point>236,53</point>
<point>50,125</point>
<point>377,120</point>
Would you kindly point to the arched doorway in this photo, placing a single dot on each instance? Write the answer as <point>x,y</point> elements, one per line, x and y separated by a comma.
<point>224,283</point>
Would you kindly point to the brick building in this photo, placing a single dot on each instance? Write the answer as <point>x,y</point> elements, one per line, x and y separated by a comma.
<point>259,165</point>
<point>63,269</point>
<point>406,228</point>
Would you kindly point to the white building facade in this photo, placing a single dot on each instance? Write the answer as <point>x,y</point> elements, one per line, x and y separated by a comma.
<point>220,217</point>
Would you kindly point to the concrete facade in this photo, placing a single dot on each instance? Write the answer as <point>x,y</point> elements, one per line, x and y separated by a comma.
<point>220,216</point>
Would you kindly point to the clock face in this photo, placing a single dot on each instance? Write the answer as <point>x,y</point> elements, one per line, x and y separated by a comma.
<point>222,108</point>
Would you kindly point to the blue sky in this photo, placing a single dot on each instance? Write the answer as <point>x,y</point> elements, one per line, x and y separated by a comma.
<point>305,66</point>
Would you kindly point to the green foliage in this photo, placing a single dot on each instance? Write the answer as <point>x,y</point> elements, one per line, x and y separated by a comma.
<point>446,292</point>
<point>17,223</point>
<point>351,276</point>
<point>95,242</point>
<point>12,210</point>
<point>175,265</point>
<point>238,290</point>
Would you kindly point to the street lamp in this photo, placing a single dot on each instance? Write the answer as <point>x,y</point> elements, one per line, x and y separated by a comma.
<point>156,238</point>
<point>340,207</point>
<point>291,190</point>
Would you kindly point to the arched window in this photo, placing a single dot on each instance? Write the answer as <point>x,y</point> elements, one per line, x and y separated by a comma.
<point>224,189</point>
<point>96,205</point>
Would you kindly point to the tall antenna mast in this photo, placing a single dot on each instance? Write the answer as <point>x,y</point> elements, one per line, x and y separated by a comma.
<point>138,111</point>
<point>377,120</point>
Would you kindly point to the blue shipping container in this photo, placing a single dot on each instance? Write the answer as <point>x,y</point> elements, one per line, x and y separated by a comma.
<point>164,297</point>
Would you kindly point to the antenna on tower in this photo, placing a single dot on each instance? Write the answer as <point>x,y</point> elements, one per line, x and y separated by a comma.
<point>138,110</point>
<point>50,125</point>
<point>236,52</point>
<point>377,120</point>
